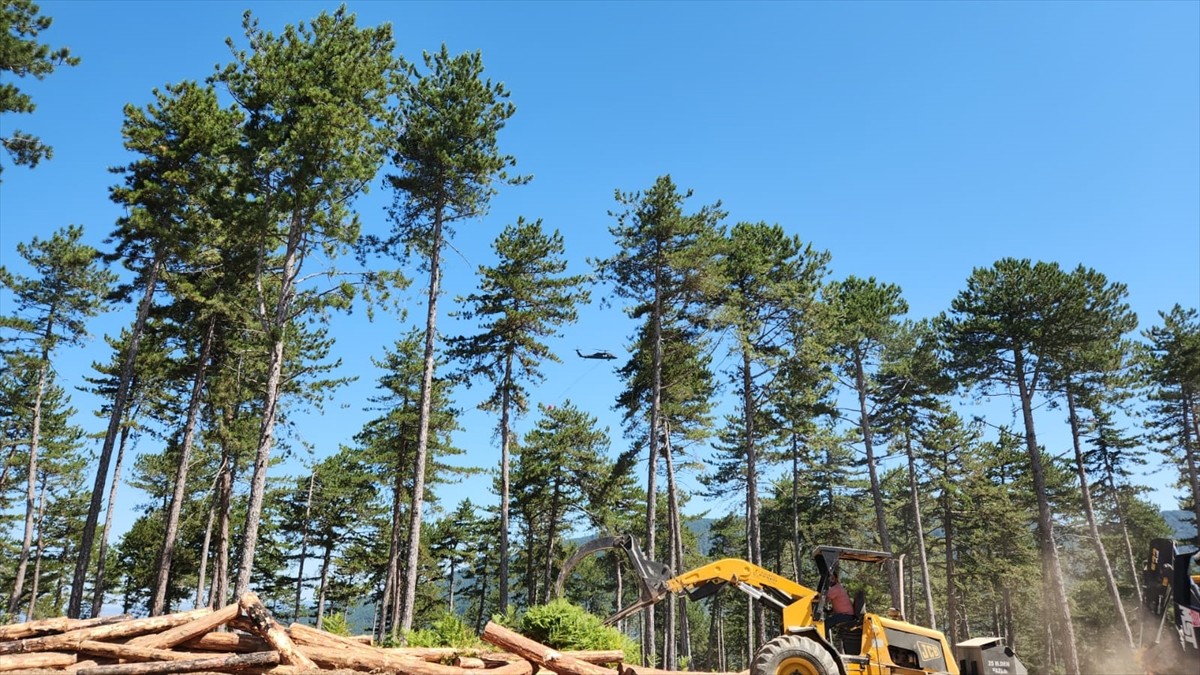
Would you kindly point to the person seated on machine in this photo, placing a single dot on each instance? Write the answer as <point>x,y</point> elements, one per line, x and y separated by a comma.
<point>840,603</point>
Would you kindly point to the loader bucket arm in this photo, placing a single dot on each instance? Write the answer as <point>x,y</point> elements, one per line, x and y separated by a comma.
<point>651,576</point>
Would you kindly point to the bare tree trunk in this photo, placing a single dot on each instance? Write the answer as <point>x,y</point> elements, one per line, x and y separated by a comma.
<point>1055,590</point>
<point>274,324</point>
<point>171,529</point>
<point>677,564</point>
<point>920,527</point>
<point>796,548</point>
<point>389,612</point>
<point>1094,530</point>
<point>505,403</point>
<point>649,649</point>
<point>1190,452</point>
<point>864,423</point>
<point>37,561</point>
<point>418,494</point>
<point>325,562</point>
<point>201,576</point>
<point>312,478</point>
<point>75,603</point>
<point>948,534</point>
<point>753,531</point>
<point>14,598</point>
<point>225,496</point>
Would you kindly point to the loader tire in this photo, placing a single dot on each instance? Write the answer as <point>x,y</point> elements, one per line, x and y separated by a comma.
<point>793,655</point>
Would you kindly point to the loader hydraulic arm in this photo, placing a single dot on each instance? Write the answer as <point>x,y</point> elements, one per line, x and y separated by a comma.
<point>655,581</point>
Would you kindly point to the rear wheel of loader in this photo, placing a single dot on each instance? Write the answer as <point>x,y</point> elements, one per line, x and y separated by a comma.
<point>793,655</point>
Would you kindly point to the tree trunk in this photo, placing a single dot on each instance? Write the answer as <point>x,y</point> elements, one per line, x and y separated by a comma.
<point>649,649</point>
<point>685,637</point>
<point>920,527</point>
<point>325,564</point>
<point>1055,590</point>
<point>796,548</point>
<point>201,576</point>
<point>1134,570</point>
<point>753,530</point>
<point>505,403</point>
<point>75,603</point>
<point>312,478</point>
<point>37,561</point>
<point>220,587</point>
<point>171,529</point>
<point>275,326</point>
<point>948,534</point>
<point>418,494</point>
<point>1190,452</point>
<point>864,423</point>
<point>14,599</point>
<point>1094,530</point>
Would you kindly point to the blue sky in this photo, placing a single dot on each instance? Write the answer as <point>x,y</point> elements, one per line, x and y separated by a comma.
<point>913,141</point>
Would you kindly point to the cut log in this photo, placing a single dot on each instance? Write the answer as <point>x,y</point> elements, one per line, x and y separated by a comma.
<point>187,631</point>
<point>59,624</point>
<point>267,628</point>
<point>375,659</point>
<point>221,664</point>
<point>130,652</point>
<point>68,640</point>
<point>470,663</point>
<point>38,660</point>
<point>240,643</point>
<point>539,654</point>
<point>307,635</point>
<point>368,640</point>
<point>628,669</point>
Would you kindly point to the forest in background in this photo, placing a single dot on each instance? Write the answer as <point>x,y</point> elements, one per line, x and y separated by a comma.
<point>240,246</point>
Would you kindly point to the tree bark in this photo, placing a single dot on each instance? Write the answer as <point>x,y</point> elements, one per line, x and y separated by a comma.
<point>865,423</point>
<point>412,561</point>
<point>266,628</point>
<point>1056,592</point>
<point>14,598</point>
<point>59,624</point>
<point>214,663</point>
<point>123,629</point>
<point>99,587</point>
<point>1093,529</point>
<point>75,603</point>
<point>505,403</point>
<point>201,575</point>
<point>920,527</point>
<point>37,561</point>
<point>187,631</point>
<point>312,478</point>
<point>35,661</point>
<point>171,528</point>
<point>539,654</point>
<point>648,629</point>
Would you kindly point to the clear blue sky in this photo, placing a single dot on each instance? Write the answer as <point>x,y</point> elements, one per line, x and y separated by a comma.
<point>914,141</point>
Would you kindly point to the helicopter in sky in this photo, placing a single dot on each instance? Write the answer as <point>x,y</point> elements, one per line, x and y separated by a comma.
<point>602,354</point>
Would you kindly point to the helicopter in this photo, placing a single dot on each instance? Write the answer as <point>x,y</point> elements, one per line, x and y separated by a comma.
<point>604,355</point>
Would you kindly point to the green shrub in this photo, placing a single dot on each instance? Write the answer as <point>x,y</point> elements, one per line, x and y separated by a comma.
<point>447,631</point>
<point>336,623</point>
<point>561,625</point>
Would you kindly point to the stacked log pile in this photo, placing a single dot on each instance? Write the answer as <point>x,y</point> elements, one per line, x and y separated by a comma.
<point>245,639</point>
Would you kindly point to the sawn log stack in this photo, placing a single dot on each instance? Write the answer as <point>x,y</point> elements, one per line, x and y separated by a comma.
<point>243,638</point>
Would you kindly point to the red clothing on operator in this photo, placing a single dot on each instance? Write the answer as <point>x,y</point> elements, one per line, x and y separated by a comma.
<point>839,598</point>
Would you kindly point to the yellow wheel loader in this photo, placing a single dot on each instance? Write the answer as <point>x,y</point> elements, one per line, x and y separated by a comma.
<point>870,644</point>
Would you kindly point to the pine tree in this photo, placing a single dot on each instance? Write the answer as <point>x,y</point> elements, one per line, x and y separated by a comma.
<point>865,318</point>
<point>523,300</point>
<point>21,22</point>
<point>315,100</point>
<point>447,160</point>
<point>1012,326</point>
<point>50,311</point>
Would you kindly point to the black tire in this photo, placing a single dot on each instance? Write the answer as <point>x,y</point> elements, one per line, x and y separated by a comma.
<point>793,655</point>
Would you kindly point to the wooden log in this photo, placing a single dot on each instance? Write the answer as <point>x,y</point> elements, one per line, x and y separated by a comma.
<point>37,660</point>
<point>71,638</point>
<point>307,635</point>
<point>381,660</point>
<point>89,663</point>
<point>539,654</point>
<point>270,630</point>
<point>130,652</point>
<point>58,624</point>
<point>221,664</point>
<point>470,663</point>
<point>600,657</point>
<point>189,630</point>
<point>629,669</point>
<point>431,654</point>
<point>240,643</point>
<point>368,640</point>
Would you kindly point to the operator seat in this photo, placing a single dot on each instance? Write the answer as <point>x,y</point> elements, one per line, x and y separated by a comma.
<point>850,634</point>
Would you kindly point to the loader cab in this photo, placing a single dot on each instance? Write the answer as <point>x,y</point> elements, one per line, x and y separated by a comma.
<point>847,637</point>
